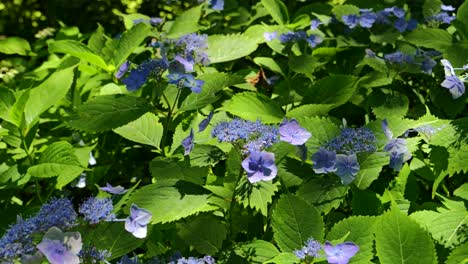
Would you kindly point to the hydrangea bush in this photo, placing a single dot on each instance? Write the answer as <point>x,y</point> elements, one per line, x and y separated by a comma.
<point>240,132</point>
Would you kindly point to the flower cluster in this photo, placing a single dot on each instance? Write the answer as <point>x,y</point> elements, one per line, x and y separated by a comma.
<point>59,247</point>
<point>91,254</point>
<point>443,16</point>
<point>254,136</point>
<point>452,81</point>
<point>396,148</point>
<point>96,210</point>
<point>339,254</point>
<point>422,59</point>
<point>339,154</point>
<point>394,16</point>
<point>291,36</point>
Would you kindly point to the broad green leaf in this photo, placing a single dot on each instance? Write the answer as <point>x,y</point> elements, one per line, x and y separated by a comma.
<point>257,251</point>
<point>171,200</point>
<point>185,23</point>
<point>283,258</point>
<point>431,8</point>
<point>171,168</point>
<point>432,38</point>
<point>462,191</point>
<point>322,128</point>
<point>129,41</point>
<point>334,89</point>
<point>206,155</point>
<point>205,233</point>
<point>7,99</point>
<point>294,221</point>
<point>48,93</point>
<point>371,166</point>
<point>257,196</point>
<point>222,48</point>
<point>112,237</point>
<point>277,10</point>
<point>97,41</point>
<point>79,50</point>
<point>459,255</point>
<point>386,105</point>
<point>129,19</point>
<point>399,239</point>
<point>214,82</point>
<point>15,45</point>
<point>323,197</point>
<point>305,64</point>
<point>358,229</point>
<point>145,130</point>
<point>108,112</point>
<point>377,64</point>
<point>253,106</point>
<point>269,64</point>
<point>309,110</point>
<point>17,110</point>
<point>462,19</point>
<point>58,159</point>
<point>341,10</point>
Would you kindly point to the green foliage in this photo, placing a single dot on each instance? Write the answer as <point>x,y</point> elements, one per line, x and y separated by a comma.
<point>258,196</point>
<point>171,168</point>
<point>79,50</point>
<point>15,45</point>
<point>145,130</point>
<point>277,10</point>
<point>185,23</point>
<point>129,41</point>
<point>371,166</point>
<point>432,38</point>
<point>259,251</point>
<point>458,255</point>
<point>321,195</point>
<point>222,48</point>
<point>206,233</point>
<point>254,106</point>
<point>334,89</point>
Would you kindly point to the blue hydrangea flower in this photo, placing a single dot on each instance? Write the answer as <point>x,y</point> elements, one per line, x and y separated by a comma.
<point>367,19</point>
<point>260,166</point>
<point>113,190</point>
<point>314,24</point>
<point>186,80</point>
<point>204,123</point>
<point>447,8</point>
<point>350,20</point>
<point>347,167</point>
<point>398,57</point>
<point>269,36</point>
<point>188,63</point>
<point>291,132</point>
<point>91,254</point>
<point>59,247</point>
<point>138,76</point>
<point>194,46</point>
<point>353,140</point>
<point>324,161</point>
<point>312,248</point>
<point>292,36</point>
<point>137,222</point>
<point>154,21</point>
<point>313,40</point>
<point>396,148</point>
<point>96,210</point>
<point>341,253</point>
<point>452,82</point>
<point>427,65</point>
<point>217,4</point>
<point>122,70</point>
<point>188,143</point>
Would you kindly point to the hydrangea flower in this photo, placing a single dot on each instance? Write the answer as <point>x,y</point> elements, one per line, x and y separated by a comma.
<point>186,80</point>
<point>452,81</point>
<point>314,24</point>
<point>59,247</point>
<point>350,20</point>
<point>324,161</point>
<point>188,63</point>
<point>367,19</point>
<point>292,36</point>
<point>341,253</point>
<point>96,210</point>
<point>188,143</point>
<point>291,132</point>
<point>353,140</point>
<point>113,190</point>
<point>122,70</point>
<point>137,222</point>
<point>204,123</point>
<point>269,36</point>
<point>313,40</point>
<point>311,248</point>
<point>217,4</point>
<point>347,167</point>
<point>93,255</point>
<point>396,147</point>
<point>139,76</point>
<point>260,166</point>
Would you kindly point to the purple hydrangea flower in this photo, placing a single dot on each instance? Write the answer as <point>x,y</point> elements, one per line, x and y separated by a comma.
<point>114,190</point>
<point>269,36</point>
<point>137,222</point>
<point>138,76</point>
<point>204,123</point>
<point>154,21</point>
<point>452,82</point>
<point>324,161</point>
<point>427,65</point>
<point>96,210</point>
<point>292,36</point>
<point>188,143</point>
<point>291,132</point>
<point>122,70</point>
<point>260,166</point>
<point>341,253</point>
<point>314,40</point>
<point>93,255</point>
<point>312,248</point>
<point>217,4</point>
<point>353,140</point>
<point>188,63</point>
<point>398,57</point>
<point>397,12</point>
<point>347,167</point>
<point>314,24</point>
<point>396,147</point>
<point>367,19</point>
<point>59,247</point>
<point>186,80</point>
<point>447,8</point>
<point>350,20</point>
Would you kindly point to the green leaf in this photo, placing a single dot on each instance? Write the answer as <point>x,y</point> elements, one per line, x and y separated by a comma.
<point>294,221</point>
<point>112,237</point>
<point>431,7</point>
<point>222,48</point>
<point>386,105</point>
<point>205,233</point>
<point>205,155</point>
<point>318,193</point>
<point>358,229</point>
<point>253,106</point>
<point>341,10</point>
<point>185,23</point>
<point>459,255</point>
<point>7,99</point>
<point>283,258</point>
<point>145,130</point>
<point>432,38</point>
<point>399,239</point>
<point>257,196</point>
<point>462,191</point>
<point>322,129</point>
<point>305,64</point>
<point>58,159</point>
<point>15,45</point>
<point>214,82</point>
<point>277,10</point>
<point>334,89</point>
<point>257,251</point>
<point>79,50</point>
<point>462,19</point>
<point>171,200</point>
<point>108,112</point>
<point>171,168</point>
<point>309,110</point>
<point>48,93</point>
<point>371,166</point>
<point>269,64</point>
<point>129,41</point>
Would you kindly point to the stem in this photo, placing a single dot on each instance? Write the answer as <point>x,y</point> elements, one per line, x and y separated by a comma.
<point>168,120</point>
<point>234,193</point>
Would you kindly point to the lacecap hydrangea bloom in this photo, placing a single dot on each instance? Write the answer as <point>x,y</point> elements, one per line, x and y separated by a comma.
<point>59,247</point>
<point>341,253</point>
<point>137,222</point>
<point>260,166</point>
<point>396,148</point>
<point>96,210</point>
<point>290,131</point>
<point>311,248</point>
<point>452,82</point>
